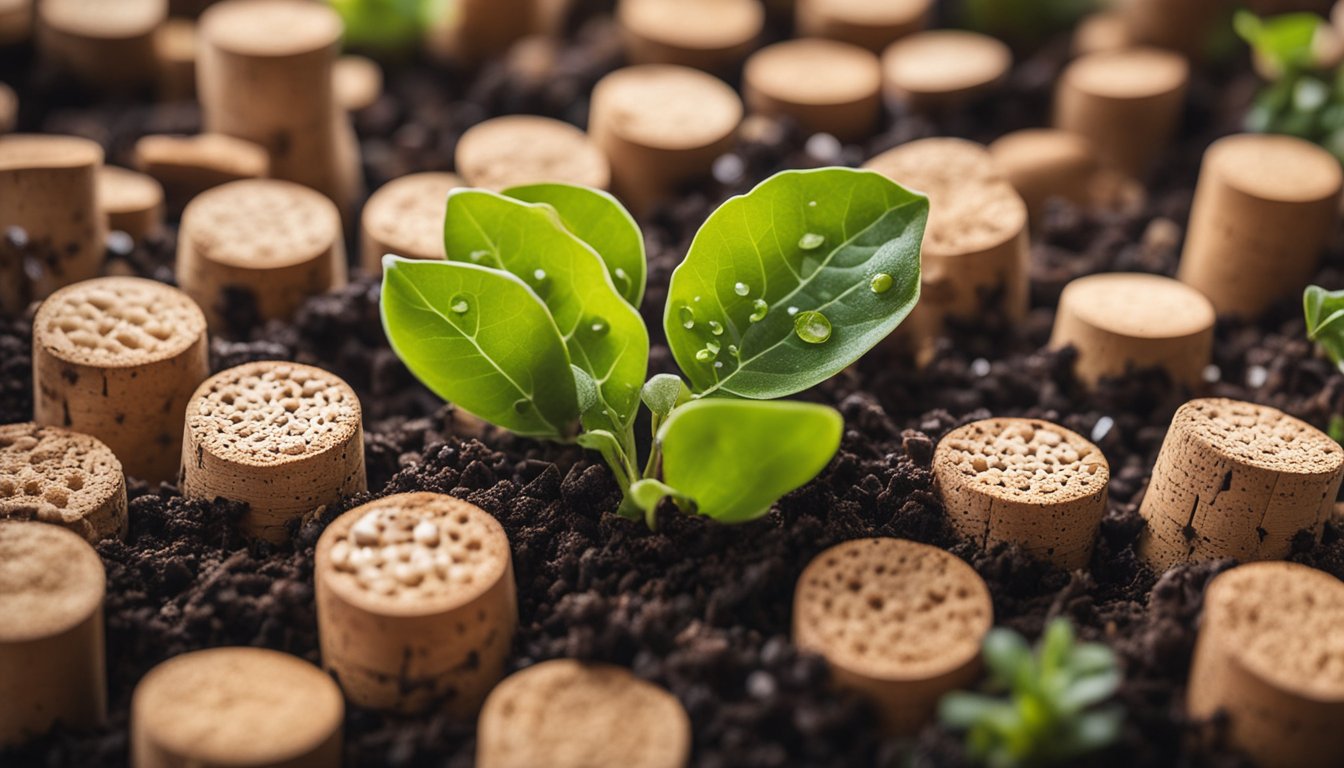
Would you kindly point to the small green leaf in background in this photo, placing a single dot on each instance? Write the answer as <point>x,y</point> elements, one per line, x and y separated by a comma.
<point>839,242</point>
<point>385,25</point>
<point>735,458</point>
<point>1284,42</point>
<point>1324,311</point>
<point>481,339</point>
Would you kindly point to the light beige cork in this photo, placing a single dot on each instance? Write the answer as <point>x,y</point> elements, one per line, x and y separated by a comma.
<point>1188,27</point>
<point>9,108</point>
<point>186,166</point>
<point>1102,32</point>
<point>236,708</point>
<point>566,714</point>
<point>1271,658</point>
<point>51,641</point>
<point>1264,210</point>
<point>1121,322</point>
<point>16,21</point>
<point>1043,163</point>
<point>64,478</point>
<point>713,35</point>
<point>872,24</point>
<point>943,68</point>
<point>132,201</point>
<point>1026,482</point>
<point>825,85</point>
<point>1237,480</point>
<point>358,81</point>
<point>514,150</point>
<point>175,48</point>
<point>405,217</point>
<point>107,44</point>
<point>479,29</point>
<point>416,603</point>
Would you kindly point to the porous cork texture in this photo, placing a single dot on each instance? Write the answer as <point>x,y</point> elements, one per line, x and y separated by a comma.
<point>284,438</point>
<point>944,67</point>
<point>416,603</point>
<point>64,478</point>
<point>186,166</point>
<point>1239,480</point>
<point>1043,163</point>
<point>117,358</point>
<point>236,708</point>
<point>131,201</point>
<point>514,150</point>
<point>1026,482</point>
<point>866,23</point>
<point>405,218</point>
<point>713,35</point>
<point>278,240</point>
<point>1271,658</point>
<point>566,714</point>
<point>899,622</point>
<point>108,44</point>
<point>51,639</point>
<point>825,85</point>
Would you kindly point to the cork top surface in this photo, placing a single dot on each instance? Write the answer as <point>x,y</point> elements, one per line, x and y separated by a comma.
<point>118,322</point>
<point>1281,620</point>
<point>28,150</point>
<point>666,107</point>
<point>1041,148</point>
<point>1133,73</point>
<point>1278,168</point>
<point>413,554</point>
<point>694,24</point>
<point>945,61</point>
<point>237,706</point>
<point>814,71</point>
<point>525,149</point>
<point>51,580</point>
<point>266,28</point>
<point>237,157</point>
<point>104,19</point>
<point>935,163</point>
<point>55,475</point>
<point>1023,460</point>
<point>121,190</point>
<point>1259,436</point>
<point>261,224</point>
<point>358,82</point>
<point>272,413</point>
<point>1102,31</point>
<point>870,13</point>
<point>1139,306</point>
<point>407,213</point>
<point>175,41</point>
<point>891,609</point>
<point>564,714</point>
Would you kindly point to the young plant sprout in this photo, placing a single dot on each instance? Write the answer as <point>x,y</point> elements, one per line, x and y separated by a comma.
<point>1324,311</point>
<point>532,324</point>
<point>387,25</point>
<point>1041,708</point>
<point>1299,54</point>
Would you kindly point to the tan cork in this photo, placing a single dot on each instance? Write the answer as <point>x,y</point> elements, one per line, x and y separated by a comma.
<point>479,29</point>
<point>51,641</point>
<point>416,603</point>
<point>107,44</point>
<point>132,201</point>
<point>1238,480</point>
<point>358,81</point>
<point>515,150</point>
<point>16,21</point>
<point>867,23</point>
<point>713,35</point>
<point>236,708</point>
<point>825,85</point>
<point>899,622</point>
<point>9,109</point>
<point>1102,32</point>
<point>1043,164</point>
<point>1187,27</point>
<point>186,166</point>
<point>175,46</point>
<point>943,67</point>
<point>1264,210</point>
<point>405,217</point>
<point>284,438</point>
<point>64,478</point>
<point>1271,657</point>
<point>566,714</point>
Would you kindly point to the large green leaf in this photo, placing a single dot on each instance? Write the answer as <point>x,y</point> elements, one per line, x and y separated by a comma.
<point>748,310</point>
<point>481,339</point>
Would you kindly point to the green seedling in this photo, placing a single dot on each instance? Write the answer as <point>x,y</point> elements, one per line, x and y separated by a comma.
<point>388,25</point>
<point>532,324</point>
<point>1324,312</point>
<point>1305,94</point>
<point>1024,22</point>
<point>1041,708</point>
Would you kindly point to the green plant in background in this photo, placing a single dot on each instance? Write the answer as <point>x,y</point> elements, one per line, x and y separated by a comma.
<point>1305,93</point>
<point>532,324</point>
<point>388,25</point>
<point>1041,708</point>
<point>1324,312</point>
<point>1024,22</point>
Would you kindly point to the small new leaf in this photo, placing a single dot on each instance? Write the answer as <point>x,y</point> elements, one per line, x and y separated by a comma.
<point>1324,311</point>
<point>664,392</point>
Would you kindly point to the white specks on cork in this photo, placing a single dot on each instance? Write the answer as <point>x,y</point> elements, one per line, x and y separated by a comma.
<point>53,475</point>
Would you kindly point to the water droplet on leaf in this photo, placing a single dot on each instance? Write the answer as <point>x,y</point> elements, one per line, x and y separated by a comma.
<point>741,289</point>
<point>733,350</point>
<point>687,317</point>
<point>460,305</point>
<point>598,326</point>
<point>758,310</point>
<point>710,352</point>
<point>539,275</point>
<point>792,311</point>
<point>477,256</point>
<point>622,279</point>
<point>811,241</point>
<point>520,406</point>
<point>715,327</point>
<point>811,203</point>
<point>881,283</point>
<point>812,327</point>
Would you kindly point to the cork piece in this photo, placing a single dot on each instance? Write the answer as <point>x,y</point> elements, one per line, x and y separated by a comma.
<point>358,81</point>
<point>566,714</point>
<point>514,150</point>
<point>943,67</point>
<point>661,127</point>
<point>1102,32</point>
<point>713,35</point>
<point>1025,482</point>
<point>186,166</point>
<point>132,201</point>
<point>405,217</point>
<point>1042,163</point>
<point>1270,656</point>
<point>479,29</point>
<point>278,240</point>
<point>16,21</point>
<point>175,50</point>
<point>56,476</point>
<point>1187,27</point>
<point>284,438</point>
<point>827,86</point>
<point>872,24</point>
<point>1122,322</point>
<point>1127,103</point>
<point>900,623</point>
<point>51,641</point>
<point>1238,480</point>
<point>236,707</point>
<point>104,44</point>
<point>9,108</point>
<point>1264,210</point>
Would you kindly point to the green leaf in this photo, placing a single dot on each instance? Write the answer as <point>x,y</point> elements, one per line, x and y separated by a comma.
<point>735,458</point>
<point>802,241</point>
<point>482,340</point>
<point>1005,654</point>
<point>664,392</point>
<point>1324,311</point>
<point>1285,41</point>
<point>598,219</point>
<point>960,710</point>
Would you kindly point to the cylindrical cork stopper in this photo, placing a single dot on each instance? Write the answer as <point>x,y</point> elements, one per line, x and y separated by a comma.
<point>9,108</point>
<point>1121,322</point>
<point>51,641</point>
<point>1042,163</point>
<point>1238,480</point>
<point>713,35</point>
<point>405,217</point>
<point>1188,26</point>
<point>284,438</point>
<point>103,43</point>
<point>1264,209</point>
<point>175,50</point>
<point>1025,482</point>
<point>117,358</point>
<point>16,21</point>
<point>566,714</point>
<point>661,127</point>
<point>236,708</point>
<point>1127,103</point>
<point>416,603</point>
<point>943,67</point>
<point>186,166</point>
<point>900,623</point>
<point>827,86</point>
<point>1102,32</point>
<point>278,240</point>
<point>358,81</point>
<point>478,29</point>
<point>872,24</point>
<point>132,201</point>
<point>56,476</point>
<point>515,150</point>
<point>1270,657</point>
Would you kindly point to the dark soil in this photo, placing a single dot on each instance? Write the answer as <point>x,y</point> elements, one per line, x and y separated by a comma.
<point>700,608</point>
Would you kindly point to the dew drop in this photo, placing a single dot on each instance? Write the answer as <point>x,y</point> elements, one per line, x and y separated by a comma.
<point>598,326</point>
<point>758,310</point>
<point>520,406</point>
<point>792,311</point>
<point>687,317</point>
<point>741,289</point>
<point>881,283</point>
<point>811,241</point>
<point>718,363</point>
<point>697,299</point>
<point>812,327</point>
<point>622,278</point>
<point>478,256</point>
<point>539,275</point>
<point>733,350</point>
<point>710,352</point>
<point>715,327</point>
<point>811,203</point>
<point>460,305</point>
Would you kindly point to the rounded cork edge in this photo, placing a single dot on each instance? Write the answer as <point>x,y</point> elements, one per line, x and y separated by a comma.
<point>953,451</point>
<point>513,150</point>
<point>59,330</point>
<point>270,28</point>
<point>62,551</point>
<point>1149,73</point>
<point>1274,168</point>
<point>851,73</point>
<point>357,82</point>
<point>922,64</point>
<point>417,197</point>
<point>717,107</point>
<point>119,20</point>
<point>717,26</point>
<point>320,228</point>
<point>1094,299</point>
<point>123,191</point>
<point>1193,419</point>
<point>28,151</point>
<point>90,502</point>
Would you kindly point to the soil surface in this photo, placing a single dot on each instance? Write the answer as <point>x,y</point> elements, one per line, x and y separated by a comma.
<point>700,608</point>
